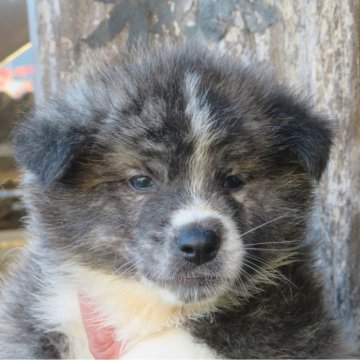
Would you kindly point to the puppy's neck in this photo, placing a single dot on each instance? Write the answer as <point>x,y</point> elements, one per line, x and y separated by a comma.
<point>135,309</point>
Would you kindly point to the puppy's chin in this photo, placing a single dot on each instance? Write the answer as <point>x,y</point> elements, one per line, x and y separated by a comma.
<point>180,291</point>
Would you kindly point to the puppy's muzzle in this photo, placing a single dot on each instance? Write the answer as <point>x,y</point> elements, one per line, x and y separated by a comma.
<point>197,245</point>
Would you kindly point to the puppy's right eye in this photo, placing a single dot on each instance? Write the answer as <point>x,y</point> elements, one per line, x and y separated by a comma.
<point>141,182</point>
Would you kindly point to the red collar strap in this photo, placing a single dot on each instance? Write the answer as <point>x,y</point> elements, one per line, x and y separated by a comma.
<point>102,342</point>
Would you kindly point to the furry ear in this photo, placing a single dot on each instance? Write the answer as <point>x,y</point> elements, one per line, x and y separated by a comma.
<point>307,136</point>
<point>48,147</point>
<point>311,141</point>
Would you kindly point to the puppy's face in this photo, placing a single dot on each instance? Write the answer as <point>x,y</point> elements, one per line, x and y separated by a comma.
<point>180,169</point>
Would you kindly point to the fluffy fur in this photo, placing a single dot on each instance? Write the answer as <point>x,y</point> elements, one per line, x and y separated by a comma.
<point>191,121</point>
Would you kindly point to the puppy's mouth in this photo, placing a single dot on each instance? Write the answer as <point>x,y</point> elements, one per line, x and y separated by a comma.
<point>194,281</point>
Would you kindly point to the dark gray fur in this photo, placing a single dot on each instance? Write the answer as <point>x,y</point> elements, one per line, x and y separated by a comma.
<point>129,111</point>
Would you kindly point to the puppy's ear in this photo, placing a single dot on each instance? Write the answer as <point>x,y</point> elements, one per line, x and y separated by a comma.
<point>312,142</point>
<point>48,144</point>
<point>307,136</point>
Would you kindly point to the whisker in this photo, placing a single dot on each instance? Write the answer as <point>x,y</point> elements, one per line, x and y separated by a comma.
<point>280,275</point>
<point>264,224</point>
<point>277,242</point>
<point>129,266</point>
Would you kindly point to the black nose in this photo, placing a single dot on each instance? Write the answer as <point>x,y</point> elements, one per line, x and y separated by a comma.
<point>197,245</point>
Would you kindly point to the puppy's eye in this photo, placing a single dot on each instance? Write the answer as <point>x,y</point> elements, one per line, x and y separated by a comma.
<point>233,182</point>
<point>141,182</point>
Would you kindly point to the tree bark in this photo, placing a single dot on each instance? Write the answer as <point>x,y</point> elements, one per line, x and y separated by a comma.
<point>312,45</point>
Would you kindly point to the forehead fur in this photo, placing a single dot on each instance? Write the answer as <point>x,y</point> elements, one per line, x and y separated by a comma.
<point>168,105</point>
<point>179,106</point>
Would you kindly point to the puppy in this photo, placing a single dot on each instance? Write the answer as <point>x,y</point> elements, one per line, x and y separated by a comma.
<point>172,188</point>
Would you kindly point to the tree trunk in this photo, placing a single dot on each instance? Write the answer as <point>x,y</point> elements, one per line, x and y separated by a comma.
<point>312,45</point>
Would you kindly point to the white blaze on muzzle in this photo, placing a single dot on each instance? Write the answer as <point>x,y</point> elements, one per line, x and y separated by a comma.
<point>199,215</point>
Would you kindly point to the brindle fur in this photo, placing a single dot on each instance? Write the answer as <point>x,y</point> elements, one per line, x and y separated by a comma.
<point>130,113</point>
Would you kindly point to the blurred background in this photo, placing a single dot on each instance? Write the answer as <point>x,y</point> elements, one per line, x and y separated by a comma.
<point>313,45</point>
<point>16,97</point>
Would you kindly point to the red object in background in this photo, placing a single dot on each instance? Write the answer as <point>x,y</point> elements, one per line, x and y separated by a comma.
<point>5,76</point>
<point>5,72</point>
<point>16,81</point>
<point>22,71</point>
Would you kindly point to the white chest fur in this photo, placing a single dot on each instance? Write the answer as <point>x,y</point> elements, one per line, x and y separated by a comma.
<point>171,344</point>
<point>148,326</point>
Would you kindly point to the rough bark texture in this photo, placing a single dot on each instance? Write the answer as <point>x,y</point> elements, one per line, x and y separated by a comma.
<point>312,45</point>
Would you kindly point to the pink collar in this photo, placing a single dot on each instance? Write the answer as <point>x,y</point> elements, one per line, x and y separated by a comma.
<point>102,342</point>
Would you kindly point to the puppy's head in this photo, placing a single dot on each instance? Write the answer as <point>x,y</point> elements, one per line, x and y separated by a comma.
<point>178,168</point>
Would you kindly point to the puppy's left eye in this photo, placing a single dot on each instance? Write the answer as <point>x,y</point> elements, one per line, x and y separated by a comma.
<point>141,182</point>
<point>233,182</point>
